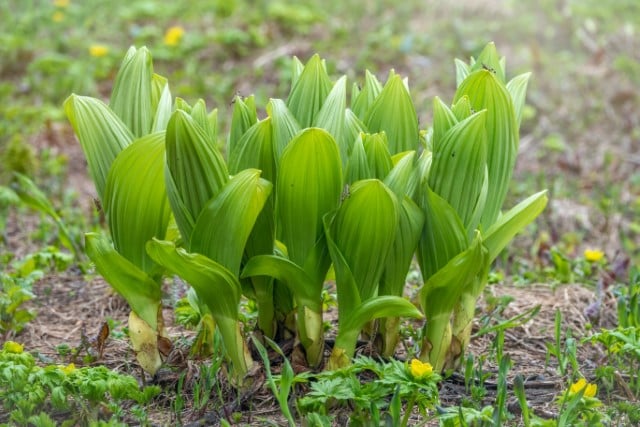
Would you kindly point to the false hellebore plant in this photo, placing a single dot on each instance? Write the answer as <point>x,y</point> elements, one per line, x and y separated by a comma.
<point>319,181</point>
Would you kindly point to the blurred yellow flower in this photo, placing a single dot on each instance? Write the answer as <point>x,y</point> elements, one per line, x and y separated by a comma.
<point>68,369</point>
<point>420,369</point>
<point>590,390</point>
<point>173,35</point>
<point>98,50</point>
<point>13,347</point>
<point>61,3</point>
<point>57,16</point>
<point>593,255</point>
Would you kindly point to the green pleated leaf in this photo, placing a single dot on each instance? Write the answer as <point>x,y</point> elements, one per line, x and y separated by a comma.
<point>309,185</point>
<point>443,236</point>
<point>363,230</point>
<point>376,148</point>
<point>284,125</point>
<point>393,112</point>
<point>462,109</point>
<point>490,60</point>
<point>517,88</point>
<point>331,116</point>
<point>364,99</point>
<point>374,308</point>
<point>201,117</point>
<point>458,167</point>
<point>358,165</point>
<point>514,221</point>
<point>303,287</point>
<point>309,92</point>
<point>132,95</point>
<point>244,116</point>
<point>439,295</point>
<point>196,170</point>
<point>223,227</point>
<point>353,126</point>
<point>462,71</point>
<point>443,120</point>
<point>142,293</point>
<point>101,133</point>
<point>136,203</point>
<point>296,70</point>
<point>161,103</point>
<point>217,287</point>
<point>255,150</point>
<point>405,243</point>
<point>403,178</point>
<point>485,91</point>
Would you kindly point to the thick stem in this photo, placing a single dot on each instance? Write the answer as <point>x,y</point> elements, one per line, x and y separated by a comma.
<point>263,287</point>
<point>236,349</point>
<point>463,315</point>
<point>343,349</point>
<point>388,335</point>
<point>437,339</point>
<point>311,334</point>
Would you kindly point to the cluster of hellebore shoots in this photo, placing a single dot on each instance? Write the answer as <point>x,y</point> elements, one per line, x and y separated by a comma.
<point>322,180</point>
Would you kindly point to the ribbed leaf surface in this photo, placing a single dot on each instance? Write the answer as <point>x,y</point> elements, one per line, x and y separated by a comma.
<point>284,126</point>
<point>443,235</point>
<point>136,202</point>
<point>393,112</point>
<point>223,227</point>
<point>485,91</point>
<point>513,222</point>
<point>161,103</point>
<point>458,166</point>
<point>376,148</point>
<point>361,102</point>
<point>132,95</point>
<point>517,88</point>
<point>363,230</point>
<point>358,164</point>
<point>309,92</point>
<point>443,120</point>
<point>141,292</point>
<point>101,133</point>
<point>309,185</point>
<point>196,170</point>
<point>244,116</point>
<point>331,116</point>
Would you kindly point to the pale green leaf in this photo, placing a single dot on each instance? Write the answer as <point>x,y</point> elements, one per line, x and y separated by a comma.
<point>132,95</point>
<point>309,185</point>
<point>101,133</point>
<point>517,88</point>
<point>195,171</point>
<point>142,293</point>
<point>372,87</point>
<point>136,203</point>
<point>309,92</point>
<point>223,227</point>
<point>514,221</point>
<point>284,125</point>
<point>393,112</point>
<point>462,71</point>
<point>376,148</point>
<point>244,116</point>
<point>163,105</point>
<point>331,116</point>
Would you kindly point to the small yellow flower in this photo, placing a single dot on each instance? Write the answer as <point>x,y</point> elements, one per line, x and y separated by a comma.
<point>57,16</point>
<point>61,3</point>
<point>13,347</point>
<point>173,35</point>
<point>68,369</point>
<point>593,255</point>
<point>590,390</point>
<point>98,50</point>
<point>420,369</point>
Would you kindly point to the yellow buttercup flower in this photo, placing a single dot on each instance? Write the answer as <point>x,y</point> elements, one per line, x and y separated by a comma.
<point>68,369</point>
<point>593,255</point>
<point>173,35</point>
<point>590,390</point>
<point>98,50</point>
<point>420,369</point>
<point>57,16</point>
<point>61,3</point>
<point>13,347</point>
